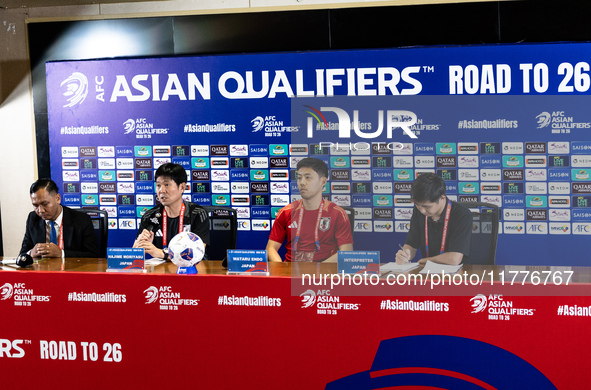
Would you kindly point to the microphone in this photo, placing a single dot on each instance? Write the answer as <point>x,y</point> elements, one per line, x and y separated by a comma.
<point>149,228</point>
<point>24,260</point>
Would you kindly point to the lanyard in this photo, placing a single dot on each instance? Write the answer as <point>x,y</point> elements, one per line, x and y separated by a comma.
<point>165,223</point>
<point>445,226</point>
<point>61,238</point>
<point>299,228</point>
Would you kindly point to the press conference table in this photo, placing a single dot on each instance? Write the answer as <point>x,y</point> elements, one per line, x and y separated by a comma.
<point>212,267</point>
<point>78,326</point>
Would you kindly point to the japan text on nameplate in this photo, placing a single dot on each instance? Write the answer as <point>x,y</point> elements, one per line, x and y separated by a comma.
<point>247,261</point>
<point>359,262</point>
<point>125,259</point>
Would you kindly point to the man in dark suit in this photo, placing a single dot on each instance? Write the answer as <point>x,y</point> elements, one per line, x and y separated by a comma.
<point>54,230</point>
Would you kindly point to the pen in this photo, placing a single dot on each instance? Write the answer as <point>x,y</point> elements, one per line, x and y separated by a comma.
<point>402,249</point>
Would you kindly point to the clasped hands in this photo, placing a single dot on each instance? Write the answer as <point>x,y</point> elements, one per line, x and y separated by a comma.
<point>46,250</point>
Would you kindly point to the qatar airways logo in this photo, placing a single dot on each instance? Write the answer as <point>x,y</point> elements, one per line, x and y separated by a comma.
<point>394,119</point>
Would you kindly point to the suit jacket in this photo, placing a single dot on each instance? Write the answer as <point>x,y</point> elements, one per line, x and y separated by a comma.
<point>79,236</point>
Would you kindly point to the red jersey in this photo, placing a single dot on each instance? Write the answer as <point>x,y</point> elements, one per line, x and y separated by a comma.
<point>332,225</point>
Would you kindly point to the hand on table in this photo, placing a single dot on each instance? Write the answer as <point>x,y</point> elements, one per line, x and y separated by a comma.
<point>46,250</point>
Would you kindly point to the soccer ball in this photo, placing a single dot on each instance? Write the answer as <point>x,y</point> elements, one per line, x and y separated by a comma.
<point>186,249</point>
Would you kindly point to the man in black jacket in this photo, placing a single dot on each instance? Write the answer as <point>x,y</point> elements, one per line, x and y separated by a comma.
<point>172,216</point>
<point>54,230</point>
<point>440,227</point>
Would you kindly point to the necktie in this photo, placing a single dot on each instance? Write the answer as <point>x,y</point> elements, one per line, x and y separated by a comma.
<point>53,233</point>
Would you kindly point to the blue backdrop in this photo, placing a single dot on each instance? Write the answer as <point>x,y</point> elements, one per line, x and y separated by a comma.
<point>503,124</point>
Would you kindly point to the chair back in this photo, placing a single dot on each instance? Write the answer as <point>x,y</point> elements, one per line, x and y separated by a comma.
<point>223,231</point>
<point>100,222</point>
<point>485,232</point>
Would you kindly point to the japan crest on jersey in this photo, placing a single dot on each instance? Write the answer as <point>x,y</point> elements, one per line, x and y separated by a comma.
<point>324,224</point>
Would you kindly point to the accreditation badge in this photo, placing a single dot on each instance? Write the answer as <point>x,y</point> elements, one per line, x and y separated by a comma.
<point>304,256</point>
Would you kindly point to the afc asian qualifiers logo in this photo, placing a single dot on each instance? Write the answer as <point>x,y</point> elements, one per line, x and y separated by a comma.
<point>167,298</point>
<point>543,119</point>
<point>478,303</point>
<point>498,307</point>
<point>257,124</point>
<point>151,294</point>
<point>272,126</point>
<point>444,362</point>
<point>21,295</point>
<point>76,89</point>
<point>129,126</point>
<point>6,291</point>
<point>308,298</point>
<point>325,303</point>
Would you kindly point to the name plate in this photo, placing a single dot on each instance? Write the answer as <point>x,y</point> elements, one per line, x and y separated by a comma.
<point>358,262</point>
<point>125,259</point>
<point>247,261</point>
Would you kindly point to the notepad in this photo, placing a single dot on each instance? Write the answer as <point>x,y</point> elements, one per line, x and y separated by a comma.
<point>154,261</point>
<point>8,265</point>
<point>8,261</point>
<point>393,267</point>
<point>436,268</point>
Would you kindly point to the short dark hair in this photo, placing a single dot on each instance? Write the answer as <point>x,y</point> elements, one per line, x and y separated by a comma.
<point>48,184</point>
<point>428,187</point>
<point>175,171</point>
<point>316,164</point>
